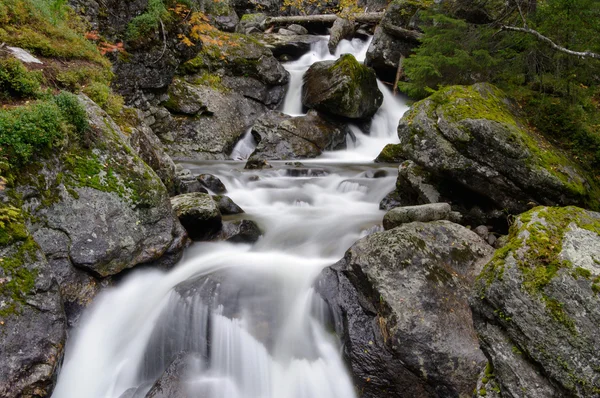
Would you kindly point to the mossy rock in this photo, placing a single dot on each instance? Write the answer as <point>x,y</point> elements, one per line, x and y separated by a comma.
<point>97,190</point>
<point>474,137</point>
<point>391,153</point>
<point>343,88</point>
<point>32,319</point>
<point>539,294</point>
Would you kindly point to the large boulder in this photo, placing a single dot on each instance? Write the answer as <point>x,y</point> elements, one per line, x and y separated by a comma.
<point>536,306</point>
<point>96,209</point>
<point>472,145</point>
<point>198,213</point>
<point>283,137</point>
<point>400,302</point>
<point>387,47</point>
<point>32,319</point>
<point>343,88</point>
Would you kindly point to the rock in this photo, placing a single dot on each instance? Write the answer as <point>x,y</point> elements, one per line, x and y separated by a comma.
<point>282,137</point>
<point>249,21</point>
<point>23,55</point>
<point>188,183</point>
<point>343,88</point>
<point>226,206</point>
<point>213,183</point>
<point>152,59</point>
<point>32,320</point>
<point>390,201</point>
<point>112,206</point>
<point>147,145</point>
<point>342,29</point>
<point>285,32</point>
<point>221,92</point>
<point>198,214</point>
<point>536,307</point>
<point>480,156</point>
<point>257,164</point>
<point>390,154</point>
<point>214,131</point>
<point>221,14</point>
<point>413,187</point>
<point>241,231</point>
<point>298,29</point>
<point>305,172</point>
<point>385,49</point>
<point>482,231</point>
<point>400,305</point>
<point>172,383</point>
<point>423,213</point>
<point>290,46</point>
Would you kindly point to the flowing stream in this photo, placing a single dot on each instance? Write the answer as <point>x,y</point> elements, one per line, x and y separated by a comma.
<point>246,315</point>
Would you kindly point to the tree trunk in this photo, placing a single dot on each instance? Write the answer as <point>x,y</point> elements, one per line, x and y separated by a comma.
<point>366,17</point>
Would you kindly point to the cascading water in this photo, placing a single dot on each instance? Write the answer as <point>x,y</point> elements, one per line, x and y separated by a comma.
<point>244,318</point>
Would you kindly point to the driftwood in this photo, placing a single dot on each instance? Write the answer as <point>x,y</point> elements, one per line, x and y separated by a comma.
<point>366,17</point>
<point>401,33</point>
<point>399,74</point>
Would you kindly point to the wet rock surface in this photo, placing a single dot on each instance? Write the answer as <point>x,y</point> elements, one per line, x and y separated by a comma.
<point>422,213</point>
<point>283,137</point>
<point>198,214</point>
<point>400,304</point>
<point>535,306</point>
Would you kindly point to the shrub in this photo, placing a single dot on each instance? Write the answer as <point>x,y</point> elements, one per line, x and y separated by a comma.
<point>17,81</point>
<point>102,95</point>
<point>148,21</point>
<point>31,130</point>
<point>72,111</point>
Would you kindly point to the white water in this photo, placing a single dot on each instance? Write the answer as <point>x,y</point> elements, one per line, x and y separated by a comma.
<point>246,315</point>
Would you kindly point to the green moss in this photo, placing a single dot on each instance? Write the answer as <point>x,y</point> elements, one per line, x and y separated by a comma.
<point>536,243</point>
<point>102,95</point>
<point>249,18</point>
<point>46,28</point>
<point>391,153</point>
<point>487,102</point>
<point>16,280</point>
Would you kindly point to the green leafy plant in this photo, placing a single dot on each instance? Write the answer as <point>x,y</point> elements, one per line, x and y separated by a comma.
<point>17,81</point>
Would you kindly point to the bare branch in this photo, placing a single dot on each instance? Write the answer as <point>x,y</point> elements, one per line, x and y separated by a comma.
<point>517,2</point>
<point>541,37</point>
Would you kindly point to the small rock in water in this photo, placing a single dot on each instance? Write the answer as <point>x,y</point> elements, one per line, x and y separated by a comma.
<point>211,182</point>
<point>198,213</point>
<point>305,172</point>
<point>257,164</point>
<point>242,231</point>
<point>226,205</point>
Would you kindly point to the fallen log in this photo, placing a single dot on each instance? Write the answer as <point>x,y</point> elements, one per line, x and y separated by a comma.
<point>402,33</point>
<point>366,17</point>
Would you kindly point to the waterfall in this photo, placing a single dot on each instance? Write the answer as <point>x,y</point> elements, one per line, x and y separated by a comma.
<point>245,316</point>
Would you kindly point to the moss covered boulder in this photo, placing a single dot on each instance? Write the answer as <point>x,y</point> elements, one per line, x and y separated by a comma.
<point>472,141</point>
<point>536,306</point>
<point>32,319</point>
<point>400,303</point>
<point>95,207</point>
<point>342,88</point>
